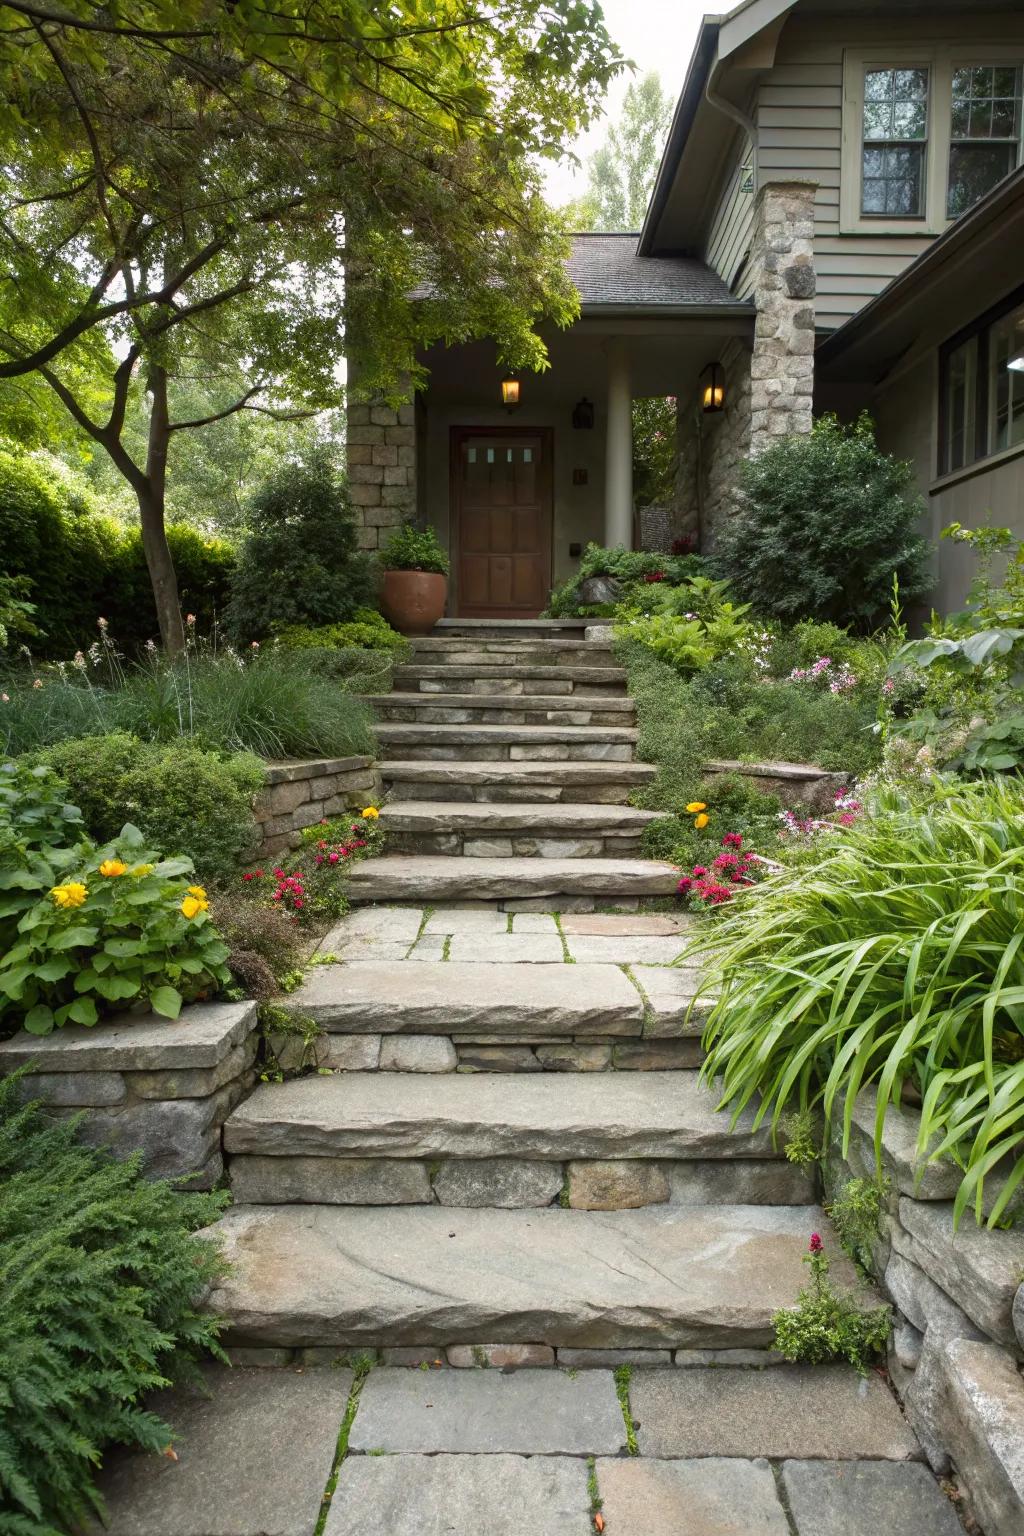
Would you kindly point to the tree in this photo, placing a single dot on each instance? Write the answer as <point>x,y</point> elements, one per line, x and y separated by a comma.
<point>622,171</point>
<point>190,191</point>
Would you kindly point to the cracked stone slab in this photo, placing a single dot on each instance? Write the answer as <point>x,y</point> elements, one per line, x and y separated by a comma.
<point>712,1497</point>
<point>443,997</point>
<point>788,1411</point>
<point>863,1498</point>
<point>253,1458</point>
<point>665,1275</point>
<point>460,1496</point>
<point>201,1036</point>
<point>583,1115</point>
<point>541,1412</point>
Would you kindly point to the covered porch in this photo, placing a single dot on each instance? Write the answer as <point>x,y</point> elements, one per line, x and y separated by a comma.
<point>515,493</point>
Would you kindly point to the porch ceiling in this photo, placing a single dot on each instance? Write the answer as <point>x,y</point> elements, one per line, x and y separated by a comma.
<point>665,356</point>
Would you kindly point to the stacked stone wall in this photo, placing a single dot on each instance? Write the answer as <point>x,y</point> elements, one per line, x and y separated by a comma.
<point>381,455</point>
<point>300,794</point>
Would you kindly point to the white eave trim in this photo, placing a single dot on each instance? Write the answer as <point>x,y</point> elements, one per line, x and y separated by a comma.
<point>746,21</point>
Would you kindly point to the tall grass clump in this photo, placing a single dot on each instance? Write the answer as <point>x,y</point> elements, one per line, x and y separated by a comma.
<point>896,961</point>
<point>102,1276</point>
<point>271,703</point>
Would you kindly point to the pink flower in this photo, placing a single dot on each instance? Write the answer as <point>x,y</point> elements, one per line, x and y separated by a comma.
<point>333,857</point>
<point>5,698</point>
<point>699,870</point>
<point>190,620</point>
<point>298,901</point>
<point>816,1244</point>
<point>732,840</point>
<point>247,877</point>
<point>685,886</point>
<point>888,686</point>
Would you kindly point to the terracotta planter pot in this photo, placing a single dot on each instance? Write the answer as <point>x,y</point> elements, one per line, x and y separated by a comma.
<point>413,601</point>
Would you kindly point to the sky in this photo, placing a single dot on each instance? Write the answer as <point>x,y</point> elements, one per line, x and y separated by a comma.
<point>657,35</point>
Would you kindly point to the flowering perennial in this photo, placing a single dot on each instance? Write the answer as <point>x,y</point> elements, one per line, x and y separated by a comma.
<point>729,871</point>
<point>848,810</point>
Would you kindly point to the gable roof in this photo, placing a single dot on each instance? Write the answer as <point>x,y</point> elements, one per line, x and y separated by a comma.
<point>609,273</point>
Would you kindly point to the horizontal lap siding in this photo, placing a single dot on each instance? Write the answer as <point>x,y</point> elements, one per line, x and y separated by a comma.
<point>800,125</point>
<point>729,238</point>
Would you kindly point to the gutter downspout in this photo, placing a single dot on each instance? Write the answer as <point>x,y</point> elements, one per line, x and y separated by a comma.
<point>730,110</point>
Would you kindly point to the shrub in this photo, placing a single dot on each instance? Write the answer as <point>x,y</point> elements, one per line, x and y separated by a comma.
<point>116,926</point>
<point>826,521</point>
<point>368,630</point>
<point>265,946</point>
<point>414,549</point>
<point>198,803</point>
<point>825,1325</point>
<point>102,1278</point>
<point>300,563</point>
<point>39,832</point>
<point>270,702</point>
<point>79,564</point>
<point>895,959</point>
<point>634,569</point>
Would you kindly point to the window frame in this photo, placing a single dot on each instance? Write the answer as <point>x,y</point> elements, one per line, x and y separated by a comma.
<point>940,59</point>
<point>980,329</point>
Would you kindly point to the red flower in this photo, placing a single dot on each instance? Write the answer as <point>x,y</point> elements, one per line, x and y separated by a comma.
<point>732,840</point>
<point>247,877</point>
<point>699,870</point>
<point>333,858</point>
<point>654,576</point>
<point>816,1244</point>
<point>685,885</point>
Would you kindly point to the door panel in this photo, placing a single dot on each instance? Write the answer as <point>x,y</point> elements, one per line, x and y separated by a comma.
<point>502,514</point>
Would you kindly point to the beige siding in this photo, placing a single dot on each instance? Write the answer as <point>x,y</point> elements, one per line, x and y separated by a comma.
<point>729,239</point>
<point>800,122</point>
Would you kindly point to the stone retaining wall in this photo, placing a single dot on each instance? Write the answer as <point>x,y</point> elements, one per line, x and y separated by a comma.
<point>958,1343</point>
<point>299,794</point>
<point>146,1084</point>
<point>794,783</point>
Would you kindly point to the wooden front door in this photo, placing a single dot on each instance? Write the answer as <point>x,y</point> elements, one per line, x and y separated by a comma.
<point>501,516</point>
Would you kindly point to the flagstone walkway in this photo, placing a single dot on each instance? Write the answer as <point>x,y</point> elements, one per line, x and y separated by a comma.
<point>437,1451</point>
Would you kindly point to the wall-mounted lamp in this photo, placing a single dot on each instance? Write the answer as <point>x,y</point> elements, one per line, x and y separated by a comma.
<point>712,389</point>
<point>583,415</point>
<point>510,392</point>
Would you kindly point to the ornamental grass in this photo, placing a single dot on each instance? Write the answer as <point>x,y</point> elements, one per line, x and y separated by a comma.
<point>895,962</point>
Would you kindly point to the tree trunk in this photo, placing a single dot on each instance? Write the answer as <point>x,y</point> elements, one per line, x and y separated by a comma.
<point>151,496</point>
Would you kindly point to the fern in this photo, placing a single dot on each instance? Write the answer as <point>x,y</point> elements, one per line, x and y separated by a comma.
<point>101,1274</point>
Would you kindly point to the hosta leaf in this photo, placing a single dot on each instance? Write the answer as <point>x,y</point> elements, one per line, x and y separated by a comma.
<point>167,1001</point>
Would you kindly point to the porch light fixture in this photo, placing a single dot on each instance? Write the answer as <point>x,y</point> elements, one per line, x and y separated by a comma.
<point>510,393</point>
<point>583,415</point>
<point>712,389</point>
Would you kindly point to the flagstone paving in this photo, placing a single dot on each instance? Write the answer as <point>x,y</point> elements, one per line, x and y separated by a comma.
<point>402,1451</point>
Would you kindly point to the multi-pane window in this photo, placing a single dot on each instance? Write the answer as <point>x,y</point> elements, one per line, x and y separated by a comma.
<point>895,141</point>
<point>984,132</point>
<point>983,389</point>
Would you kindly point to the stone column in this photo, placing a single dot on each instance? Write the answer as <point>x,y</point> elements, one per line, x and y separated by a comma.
<point>782,269</point>
<point>618,475</point>
<point>381,456</point>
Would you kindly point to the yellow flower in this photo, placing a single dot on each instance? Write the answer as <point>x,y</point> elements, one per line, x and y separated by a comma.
<point>695,806</point>
<point>113,867</point>
<point>701,821</point>
<point>71,895</point>
<point>370,814</point>
<point>142,869</point>
<point>198,892</point>
<point>193,905</point>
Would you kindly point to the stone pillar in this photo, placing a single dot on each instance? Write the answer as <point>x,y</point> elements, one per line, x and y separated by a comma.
<point>381,456</point>
<point>782,270</point>
<point>618,475</point>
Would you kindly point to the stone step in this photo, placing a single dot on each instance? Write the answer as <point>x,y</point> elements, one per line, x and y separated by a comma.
<point>567,783</point>
<point>512,678</point>
<point>510,629</point>
<point>491,652</point>
<point>427,878</point>
<point>668,1275</point>
<point>502,709</point>
<point>515,743</point>
<point>494,830</point>
<point>552,1117</point>
<point>499,999</point>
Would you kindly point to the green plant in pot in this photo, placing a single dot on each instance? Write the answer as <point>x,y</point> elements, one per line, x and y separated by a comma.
<point>414,587</point>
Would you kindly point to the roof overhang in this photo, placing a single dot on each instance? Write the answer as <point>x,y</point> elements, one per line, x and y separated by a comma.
<point>973,263</point>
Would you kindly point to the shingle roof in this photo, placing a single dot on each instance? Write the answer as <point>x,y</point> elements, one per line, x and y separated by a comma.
<point>607,270</point>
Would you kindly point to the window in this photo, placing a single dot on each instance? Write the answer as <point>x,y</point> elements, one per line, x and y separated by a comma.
<point>982,388</point>
<point>926,133</point>
<point>984,133</point>
<point>895,137</point>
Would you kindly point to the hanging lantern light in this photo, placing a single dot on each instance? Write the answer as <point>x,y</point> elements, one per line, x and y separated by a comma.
<point>712,389</point>
<point>583,415</point>
<point>510,392</point>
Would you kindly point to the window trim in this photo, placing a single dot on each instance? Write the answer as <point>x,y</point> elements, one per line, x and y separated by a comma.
<point>980,328</point>
<point>940,59</point>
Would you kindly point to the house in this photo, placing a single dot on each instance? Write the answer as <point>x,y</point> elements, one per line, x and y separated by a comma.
<point>836,224</point>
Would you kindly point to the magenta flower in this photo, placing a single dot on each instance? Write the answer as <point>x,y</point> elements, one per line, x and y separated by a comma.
<point>816,1244</point>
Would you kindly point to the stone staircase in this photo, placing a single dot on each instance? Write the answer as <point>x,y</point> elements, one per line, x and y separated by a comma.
<point>508,1144</point>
